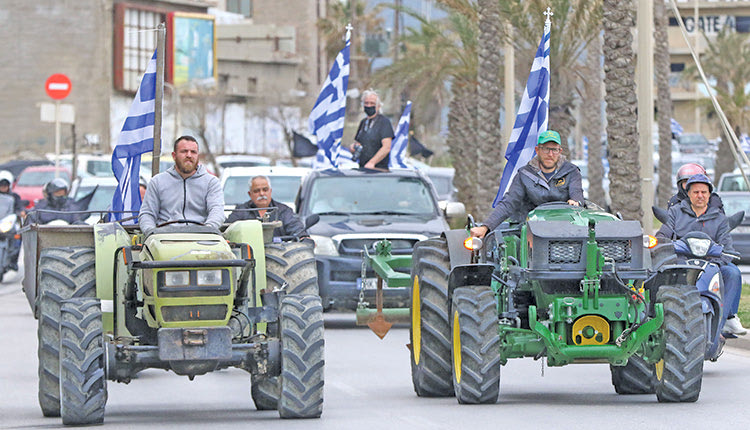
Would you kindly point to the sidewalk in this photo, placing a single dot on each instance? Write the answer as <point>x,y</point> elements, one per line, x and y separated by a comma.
<point>742,342</point>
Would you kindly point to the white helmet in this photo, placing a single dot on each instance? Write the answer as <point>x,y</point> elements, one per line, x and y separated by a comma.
<point>6,176</point>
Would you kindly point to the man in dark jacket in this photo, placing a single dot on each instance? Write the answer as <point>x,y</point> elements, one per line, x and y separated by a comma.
<point>695,214</point>
<point>262,206</point>
<point>548,177</point>
<point>683,174</point>
<point>56,205</point>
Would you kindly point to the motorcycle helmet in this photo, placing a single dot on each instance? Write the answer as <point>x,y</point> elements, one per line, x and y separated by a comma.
<point>6,176</point>
<point>699,179</point>
<point>688,170</point>
<point>54,186</point>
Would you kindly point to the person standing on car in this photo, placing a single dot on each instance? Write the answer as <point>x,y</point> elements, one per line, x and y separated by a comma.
<point>56,205</point>
<point>262,206</point>
<point>185,191</point>
<point>374,135</point>
<point>548,177</point>
<point>695,214</point>
<point>683,174</point>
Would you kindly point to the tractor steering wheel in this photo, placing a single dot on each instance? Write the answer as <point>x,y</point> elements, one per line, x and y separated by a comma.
<point>188,221</point>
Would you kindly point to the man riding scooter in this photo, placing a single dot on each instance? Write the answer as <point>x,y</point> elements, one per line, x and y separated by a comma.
<point>6,180</point>
<point>695,214</point>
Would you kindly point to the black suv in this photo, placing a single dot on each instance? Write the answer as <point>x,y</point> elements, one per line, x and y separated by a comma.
<point>358,208</point>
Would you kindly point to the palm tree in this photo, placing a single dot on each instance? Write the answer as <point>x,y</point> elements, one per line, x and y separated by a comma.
<point>592,125</point>
<point>663,103</point>
<point>622,131</point>
<point>574,24</point>
<point>727,62</point>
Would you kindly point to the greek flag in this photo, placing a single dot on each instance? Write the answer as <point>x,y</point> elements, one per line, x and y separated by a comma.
<point>326,120</point>
<point>136,138</point>
<point>531,118</point>
<point>676,127</point>
<point>745,143</point>
<point>400,141</point>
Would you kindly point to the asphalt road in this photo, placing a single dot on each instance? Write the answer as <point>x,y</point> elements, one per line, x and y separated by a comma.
<point>368,386</point>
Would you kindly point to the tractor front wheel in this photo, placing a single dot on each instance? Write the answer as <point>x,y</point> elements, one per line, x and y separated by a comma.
<point>292,263</point>
<point>475,346</point>
<point>265,392</point>
<point>301,322</point>
<point>680,371</point>
<point>83,383</point>
<point>636,377</point>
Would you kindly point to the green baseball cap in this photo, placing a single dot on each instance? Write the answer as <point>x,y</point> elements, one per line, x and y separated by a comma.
<point>549,136</point>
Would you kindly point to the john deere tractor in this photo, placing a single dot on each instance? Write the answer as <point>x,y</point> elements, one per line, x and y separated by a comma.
<point>112,302</point>
<point>569,285</point>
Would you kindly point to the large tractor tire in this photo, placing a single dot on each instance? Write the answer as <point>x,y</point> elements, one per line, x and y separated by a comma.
<point>63,273</point>
<point>680,372</point>
<point>475,346</point>
<point>83,383</point>
<point>265,392</point>
<point>302,344</point>
<point>292,263</point>
<point>636,377</point>
<point>430,331</point>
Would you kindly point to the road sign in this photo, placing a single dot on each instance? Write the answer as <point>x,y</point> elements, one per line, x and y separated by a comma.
<point>51,112</point>
<point>58,86</point>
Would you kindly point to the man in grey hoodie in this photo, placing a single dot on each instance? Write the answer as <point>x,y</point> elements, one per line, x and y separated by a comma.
<point>185,191</point>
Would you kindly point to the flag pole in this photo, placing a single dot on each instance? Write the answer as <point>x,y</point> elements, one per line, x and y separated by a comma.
<point>161,35</point>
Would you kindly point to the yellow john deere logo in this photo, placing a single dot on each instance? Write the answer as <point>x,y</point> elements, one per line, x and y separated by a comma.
<point>560,182</point>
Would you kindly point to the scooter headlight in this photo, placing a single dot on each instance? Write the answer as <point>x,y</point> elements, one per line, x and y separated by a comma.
<point>6,224</point>
<point>699,247</point>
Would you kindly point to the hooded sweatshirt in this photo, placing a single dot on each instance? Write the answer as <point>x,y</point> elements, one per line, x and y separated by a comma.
<point>170,197</point>
<point>530,188</point>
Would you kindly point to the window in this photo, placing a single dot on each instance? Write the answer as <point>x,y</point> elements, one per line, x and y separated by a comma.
<point>676,67</point>
<point>243,7</point>
<point>742,24</point>
<point>135,43</point>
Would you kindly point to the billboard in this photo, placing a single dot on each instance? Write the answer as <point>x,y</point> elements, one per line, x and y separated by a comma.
<point>191,48</point>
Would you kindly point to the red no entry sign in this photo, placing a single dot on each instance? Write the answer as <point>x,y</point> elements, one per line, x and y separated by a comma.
<point>58,86</point>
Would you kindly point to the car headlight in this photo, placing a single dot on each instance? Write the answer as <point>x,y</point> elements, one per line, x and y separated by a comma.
<point>209,277</point>
<point>699,247</point>
<point>324,245</point>
<point>6,224</point>
<point>177,278</point>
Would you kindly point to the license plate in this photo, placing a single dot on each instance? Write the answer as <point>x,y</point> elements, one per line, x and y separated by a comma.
<point>369,283</point>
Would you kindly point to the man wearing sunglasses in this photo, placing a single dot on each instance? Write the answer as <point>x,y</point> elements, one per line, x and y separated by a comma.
<point>548,177</point>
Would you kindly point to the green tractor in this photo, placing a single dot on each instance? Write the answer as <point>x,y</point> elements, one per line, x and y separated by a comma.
<point>112,302</point>
<point>571,285</point>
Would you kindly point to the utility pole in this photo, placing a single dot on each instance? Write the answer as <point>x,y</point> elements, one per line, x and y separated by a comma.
<point>509,103</point>
<point>645,75</point>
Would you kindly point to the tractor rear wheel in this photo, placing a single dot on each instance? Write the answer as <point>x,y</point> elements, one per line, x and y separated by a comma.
<point>430,331</point>
<point>63,273</point>
<point>83,384</point>
<point>636,377</point>
<point>292,263</point>
<point>302,344</point>
<point>475,346</point>
<point>265,392</point>
<point>680,372</point>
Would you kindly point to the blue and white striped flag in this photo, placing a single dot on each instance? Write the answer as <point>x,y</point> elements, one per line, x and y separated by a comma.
<point>676,128</point>
<point>400,141</point>
<point>136,138</point>
<point>531,118</point>
<point>326,120</point>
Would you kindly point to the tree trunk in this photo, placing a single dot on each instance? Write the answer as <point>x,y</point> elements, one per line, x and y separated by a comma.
<point>592,126</point>
<point>622,130</point>
<point>461,143</point>
<point>663,104</point>
<point>488,144</point>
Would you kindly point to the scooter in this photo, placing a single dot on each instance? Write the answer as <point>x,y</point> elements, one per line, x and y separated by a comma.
<point>8,232</point>
<point>695,254</point>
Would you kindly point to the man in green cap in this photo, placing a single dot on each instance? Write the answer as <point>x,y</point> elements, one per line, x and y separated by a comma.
<point>548,177</point>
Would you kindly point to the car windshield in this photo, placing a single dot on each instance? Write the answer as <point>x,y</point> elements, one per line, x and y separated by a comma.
<point>102,198</point>
<point>385,195</point>
<point>99,168</point>
<point>733,183</point>
<point>284,189</point>
<point>38,178</point>
<point>734,204</point>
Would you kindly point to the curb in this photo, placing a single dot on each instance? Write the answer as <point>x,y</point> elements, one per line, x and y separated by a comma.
<point>742,342</point>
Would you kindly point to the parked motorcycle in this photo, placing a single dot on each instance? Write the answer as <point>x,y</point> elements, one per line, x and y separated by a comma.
<point>696,254</point>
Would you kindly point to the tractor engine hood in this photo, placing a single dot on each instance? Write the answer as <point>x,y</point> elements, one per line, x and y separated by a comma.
<point>187,246</point>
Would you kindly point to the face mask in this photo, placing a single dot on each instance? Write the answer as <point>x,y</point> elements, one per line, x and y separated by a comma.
<point>370,110</point>
<point>57,201</point>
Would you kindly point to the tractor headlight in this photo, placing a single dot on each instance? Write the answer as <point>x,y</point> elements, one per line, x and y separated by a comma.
<point>177,278</point>
<point>699,247</point>
<point>473,243</point>
<point>7,223</point>
<point>209,277</point>
<point>324,245</point>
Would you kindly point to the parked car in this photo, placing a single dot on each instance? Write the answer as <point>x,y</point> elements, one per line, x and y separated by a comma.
<point>16,166</point>
<point>731,182</point>
<point>357,208</point>
<point>86,164</point>
<point>442,179</point>
<point>285,182</point>
<point>695,143</point>
<point>31,181</point>
<point>241,160</point>
<point>102,198</point>
<point>735,201</point>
